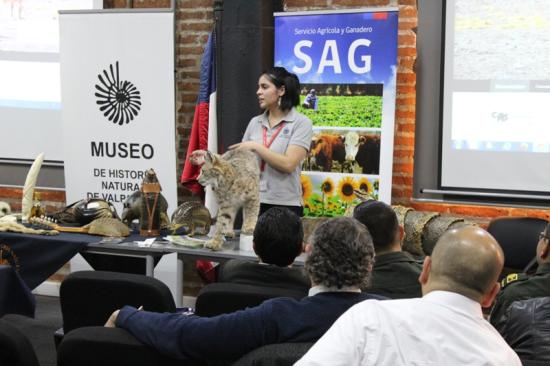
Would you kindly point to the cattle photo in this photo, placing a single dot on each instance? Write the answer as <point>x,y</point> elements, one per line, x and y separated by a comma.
<point>342,105</point>
<point>344,151</point>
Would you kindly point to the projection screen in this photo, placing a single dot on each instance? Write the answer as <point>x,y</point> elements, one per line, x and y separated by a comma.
<point>496,90</point>
<point>30,95</point>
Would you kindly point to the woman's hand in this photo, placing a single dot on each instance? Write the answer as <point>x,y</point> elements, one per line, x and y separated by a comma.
<point>246,145</point>
<point>197,157</point>
<point>286,163</point>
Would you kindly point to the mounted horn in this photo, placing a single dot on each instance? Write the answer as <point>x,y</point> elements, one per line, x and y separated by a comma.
<point>28,189</point>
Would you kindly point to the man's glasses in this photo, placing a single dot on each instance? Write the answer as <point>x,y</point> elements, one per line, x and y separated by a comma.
<point>543,236</point>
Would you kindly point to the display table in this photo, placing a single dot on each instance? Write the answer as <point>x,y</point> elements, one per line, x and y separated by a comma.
<point>15,296</point>
<point>40,256</point>
<point>131,248</point>
<point>37,257</point>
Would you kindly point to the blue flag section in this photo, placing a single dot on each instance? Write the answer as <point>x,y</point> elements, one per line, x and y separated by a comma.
<point>346,63</point>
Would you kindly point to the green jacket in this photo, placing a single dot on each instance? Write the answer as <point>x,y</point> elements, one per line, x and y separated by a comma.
<point>395,275</point>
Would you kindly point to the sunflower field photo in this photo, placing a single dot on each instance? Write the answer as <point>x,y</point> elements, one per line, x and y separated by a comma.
<point>330,195</point>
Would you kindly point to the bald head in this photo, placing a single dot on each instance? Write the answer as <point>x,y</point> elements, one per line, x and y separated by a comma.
<point>468,261</point>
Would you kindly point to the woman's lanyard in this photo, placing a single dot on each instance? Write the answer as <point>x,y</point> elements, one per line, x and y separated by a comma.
<point>267,144</point>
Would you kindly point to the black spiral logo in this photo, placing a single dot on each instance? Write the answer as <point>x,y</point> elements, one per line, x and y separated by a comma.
<point>119,101</point>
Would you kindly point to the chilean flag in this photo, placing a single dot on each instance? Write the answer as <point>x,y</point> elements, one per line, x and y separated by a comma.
<point>204,129</point>
<point>204,136</point>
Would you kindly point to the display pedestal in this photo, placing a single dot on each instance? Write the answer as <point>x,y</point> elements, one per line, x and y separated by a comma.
<point>245,243</point>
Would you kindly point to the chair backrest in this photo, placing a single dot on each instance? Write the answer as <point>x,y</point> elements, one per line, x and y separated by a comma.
<point>92,346</point>
<point>224,297</point>
<point>15,348</point>
<point>280,354</point>
<point>89,297</point>
<point>518,237</point>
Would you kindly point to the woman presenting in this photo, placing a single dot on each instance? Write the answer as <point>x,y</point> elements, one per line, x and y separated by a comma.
<point>281,137</point>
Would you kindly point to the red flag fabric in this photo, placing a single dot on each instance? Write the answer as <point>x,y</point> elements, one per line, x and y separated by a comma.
<point>198,140</point>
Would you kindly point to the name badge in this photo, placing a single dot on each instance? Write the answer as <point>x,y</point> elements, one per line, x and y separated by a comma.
<point>263,185</point>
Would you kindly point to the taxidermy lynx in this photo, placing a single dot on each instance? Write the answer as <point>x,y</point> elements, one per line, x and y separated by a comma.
<point>235,180</point>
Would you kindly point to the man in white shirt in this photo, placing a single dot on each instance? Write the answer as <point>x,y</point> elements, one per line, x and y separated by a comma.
<point>445,327</point>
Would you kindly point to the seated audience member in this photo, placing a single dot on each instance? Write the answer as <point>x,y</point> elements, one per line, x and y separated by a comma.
<point>395,272</point>
<point>338,264</point>
<point>527,329</point>
<point>445,327</point>
<point>519,287</point>
<point>277,241</point>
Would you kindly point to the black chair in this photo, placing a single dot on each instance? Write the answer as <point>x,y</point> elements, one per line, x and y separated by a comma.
<point>91,346</point>
<point>88,298</point>
<point>518,238</point>
<point>224,297</point>
<point>281,354</point>
<point>15,348</point>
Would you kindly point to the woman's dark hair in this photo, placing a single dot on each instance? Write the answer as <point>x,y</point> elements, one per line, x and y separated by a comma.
<point>280,77</point>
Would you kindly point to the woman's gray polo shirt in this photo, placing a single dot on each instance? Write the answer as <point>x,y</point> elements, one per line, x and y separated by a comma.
<point>278,188</point>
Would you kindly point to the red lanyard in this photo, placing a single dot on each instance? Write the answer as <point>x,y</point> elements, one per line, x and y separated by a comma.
<point>268,143</point>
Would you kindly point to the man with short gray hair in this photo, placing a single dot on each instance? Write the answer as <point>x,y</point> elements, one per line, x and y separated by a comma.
<point>444,327</point>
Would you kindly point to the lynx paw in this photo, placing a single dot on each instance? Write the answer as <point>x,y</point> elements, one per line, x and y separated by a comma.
<point>214,244</point>
<point>247,231</point>
<point>229,234</point>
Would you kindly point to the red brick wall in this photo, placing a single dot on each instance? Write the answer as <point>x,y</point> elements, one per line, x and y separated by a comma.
<point>194,20</point>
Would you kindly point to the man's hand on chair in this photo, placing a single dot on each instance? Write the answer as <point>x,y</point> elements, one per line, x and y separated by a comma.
<point>111,322</point>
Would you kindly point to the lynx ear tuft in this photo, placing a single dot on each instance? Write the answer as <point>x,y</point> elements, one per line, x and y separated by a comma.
<point>210,157</point>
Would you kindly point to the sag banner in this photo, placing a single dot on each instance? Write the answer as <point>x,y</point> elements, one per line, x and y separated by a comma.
<point>346,62</point>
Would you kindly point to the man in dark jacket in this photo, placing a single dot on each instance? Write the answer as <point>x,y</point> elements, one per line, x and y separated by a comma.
<point>517,287</point>
<point>277,241</point>
<point>338,265</point>
<point>395,273</point>
<point>527,329</point>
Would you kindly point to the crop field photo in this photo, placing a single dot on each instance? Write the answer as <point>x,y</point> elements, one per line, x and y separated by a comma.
<point>342,105</point>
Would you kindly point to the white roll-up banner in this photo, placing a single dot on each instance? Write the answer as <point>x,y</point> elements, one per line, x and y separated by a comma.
<point>117,88</point>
